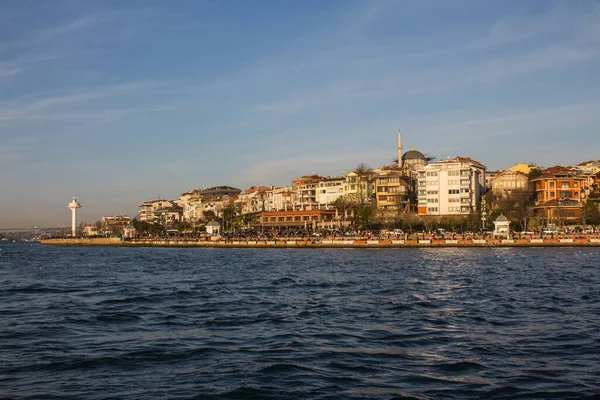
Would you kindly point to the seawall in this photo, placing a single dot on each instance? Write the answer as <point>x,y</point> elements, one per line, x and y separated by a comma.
<point>327,243</point>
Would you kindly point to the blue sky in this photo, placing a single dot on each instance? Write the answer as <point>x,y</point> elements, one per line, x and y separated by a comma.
<point>118,102</point>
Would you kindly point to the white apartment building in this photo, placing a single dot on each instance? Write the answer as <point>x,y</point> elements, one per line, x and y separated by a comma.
<point>147,209</point>
<point>252,200</point>
<point>450,187</point>
<point>279,198</point>
<point>329,190</point>
<point>191,203</point>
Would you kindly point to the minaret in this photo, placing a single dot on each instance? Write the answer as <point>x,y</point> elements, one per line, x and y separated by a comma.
<point>400,150</point>
<point>73,205</point>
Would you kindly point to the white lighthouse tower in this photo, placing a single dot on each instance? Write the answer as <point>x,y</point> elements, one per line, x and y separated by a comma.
<point>73,205</point>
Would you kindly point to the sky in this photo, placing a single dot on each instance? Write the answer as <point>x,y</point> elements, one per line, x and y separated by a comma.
<point>120,102</point>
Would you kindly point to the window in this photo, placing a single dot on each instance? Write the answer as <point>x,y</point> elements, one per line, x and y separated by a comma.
<point>564,185</point>
<point>432,192</point>
<point>432,209</point>
<point>453,191</point>
<point>575,184</point>
<point>551,194</point>
<point>551,184</point>
<point>453,173</point>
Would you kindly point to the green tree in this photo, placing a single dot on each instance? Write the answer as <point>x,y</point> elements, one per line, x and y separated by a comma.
<point>534,173</point>
<point>208,215</point>
<point>363,216</point>
<point>590,213</point>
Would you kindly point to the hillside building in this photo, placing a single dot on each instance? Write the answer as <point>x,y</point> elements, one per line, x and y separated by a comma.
<point>450,187</point>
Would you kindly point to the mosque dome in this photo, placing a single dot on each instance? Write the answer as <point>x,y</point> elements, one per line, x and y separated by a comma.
<point>413,155</point>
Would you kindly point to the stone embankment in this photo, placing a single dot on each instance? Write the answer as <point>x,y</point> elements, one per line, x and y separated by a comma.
<point>328,243</point>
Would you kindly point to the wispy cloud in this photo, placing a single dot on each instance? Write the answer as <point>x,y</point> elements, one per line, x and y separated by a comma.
<point>24,110</point>
<point>394,73</point>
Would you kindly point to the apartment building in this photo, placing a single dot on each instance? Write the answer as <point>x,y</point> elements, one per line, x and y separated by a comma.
<point>305,192</point>
<point>559,193</point>
<point>359,186</point>
<point>191,202</point>
<point>329,190</point>
<point>450,187</point>
<point>279,198</point>
<point>394,190</point>
<point>114,224</point>
<point>509,180</point>
<point>219,192</point>
<point>252,200</point>
<point>147,209</point>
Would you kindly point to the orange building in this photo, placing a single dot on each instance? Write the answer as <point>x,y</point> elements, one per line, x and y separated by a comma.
<point>559,196</point>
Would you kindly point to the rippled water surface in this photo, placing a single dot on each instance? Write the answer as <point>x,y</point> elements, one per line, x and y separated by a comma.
<point>157,323</point>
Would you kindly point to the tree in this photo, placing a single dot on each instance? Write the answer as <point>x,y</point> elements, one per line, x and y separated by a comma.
<point>409,220</point>
<point>590,213</point>
<point>363,171</point>
<point>208,215</point>
<point>534,173</point>
<point>363,216</point>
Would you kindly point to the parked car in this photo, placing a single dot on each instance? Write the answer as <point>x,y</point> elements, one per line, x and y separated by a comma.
<point>527,232</point>
<point>548,231</point>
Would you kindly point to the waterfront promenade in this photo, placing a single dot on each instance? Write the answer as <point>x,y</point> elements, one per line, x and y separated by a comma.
<point>325,242</point>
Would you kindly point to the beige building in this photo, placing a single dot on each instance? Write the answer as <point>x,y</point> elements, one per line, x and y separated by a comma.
<point>393,189</point>
<point>359,186</point>
<point>91,230</point>
<point>252,200</point>
<point>509,180</point>
<point>168,217</point>
<point>147,209</point>
<point>114,225</point>
<point>524,168</point>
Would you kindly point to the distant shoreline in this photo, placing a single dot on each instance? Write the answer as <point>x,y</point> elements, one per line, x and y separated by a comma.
<point>328,243</point>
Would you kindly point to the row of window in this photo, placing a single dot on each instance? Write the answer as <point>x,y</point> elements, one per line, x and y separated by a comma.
<point>391,179</point>
<point>294,218</point>
<point>391,189</point>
